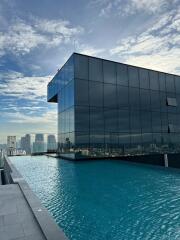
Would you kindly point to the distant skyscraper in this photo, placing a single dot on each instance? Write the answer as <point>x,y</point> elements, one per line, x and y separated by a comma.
<point>38,145</point>
<point>11,145</point>
<point>26,143</point>
<point>51,143</point>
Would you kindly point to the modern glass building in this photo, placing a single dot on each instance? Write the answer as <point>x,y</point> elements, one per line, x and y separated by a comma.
<point>110,109</point>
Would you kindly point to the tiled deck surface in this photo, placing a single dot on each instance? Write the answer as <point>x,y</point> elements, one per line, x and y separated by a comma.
<point>16,219</point>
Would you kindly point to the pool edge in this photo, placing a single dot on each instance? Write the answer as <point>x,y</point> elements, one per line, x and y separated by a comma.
<point>46,223</point>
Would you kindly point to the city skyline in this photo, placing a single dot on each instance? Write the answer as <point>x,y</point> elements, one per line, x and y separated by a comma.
<point>36,39</point>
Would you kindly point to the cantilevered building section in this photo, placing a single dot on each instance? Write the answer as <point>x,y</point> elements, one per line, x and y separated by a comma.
<point>110,109</point>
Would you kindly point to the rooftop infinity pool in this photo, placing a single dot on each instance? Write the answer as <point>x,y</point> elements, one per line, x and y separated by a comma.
<point>106,199</point>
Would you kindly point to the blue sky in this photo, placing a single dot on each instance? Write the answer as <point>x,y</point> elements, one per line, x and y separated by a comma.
<point>37,37</point>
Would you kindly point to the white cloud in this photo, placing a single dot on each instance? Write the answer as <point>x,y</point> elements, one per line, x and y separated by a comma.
<point>89,50</point>
<point>23,87</point>
<point>21,37</point>
<point>157,48</point>
<point>129,7</point>
<point>49,117</point>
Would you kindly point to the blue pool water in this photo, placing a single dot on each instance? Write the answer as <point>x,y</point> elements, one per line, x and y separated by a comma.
<point>97,200</point>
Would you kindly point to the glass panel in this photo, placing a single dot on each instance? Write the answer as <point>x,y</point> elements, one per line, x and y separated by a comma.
<point>97,140</point>
<point>109,69</point>
<point>155,100</point>
<point>154,81</point>
<point>164,122</point>
<point>133,76</point>
<point>111,143</point>
<point>163,102</point>
<point>134,98</point>
<point>122,96</point>
<point>147,142</point>
<point>171,102</point>
<point>96,119</point>
<point>156,122</point>
<point>71,119</point>
<point>123,121</point>
<point>122,74</point>
<point>96,94</point>
<point>81,92</point>
<point>157,143</point>
<point>146,121</point>
<point>162,83</point>
<point>81,66</point>
<point>144,78</point>
<point>135,123</point>
<point>110,99</point>
<point>136,144</point>
<point>81,119</point>
<point>145,99</point>
<point>95,69</point>
<point>177,83</point>
<point>124,143</point>
<point>81,140</point>
<point>111,120</point>
<point>170,85</point>
<point>178,103</point>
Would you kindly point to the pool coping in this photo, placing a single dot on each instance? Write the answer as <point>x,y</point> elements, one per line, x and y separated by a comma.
<point>46,223</point>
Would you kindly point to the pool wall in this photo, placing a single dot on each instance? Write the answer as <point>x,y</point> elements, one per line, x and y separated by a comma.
<point>48,226</point>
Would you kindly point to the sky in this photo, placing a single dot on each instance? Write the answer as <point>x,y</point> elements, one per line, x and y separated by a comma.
<point>37,37</point>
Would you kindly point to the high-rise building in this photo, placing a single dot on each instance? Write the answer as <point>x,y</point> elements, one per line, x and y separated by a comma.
<point>51,143</point>
<point>26,143</point>
<point>110,109</point>
<point>39,145</point>
<point>11,145</point>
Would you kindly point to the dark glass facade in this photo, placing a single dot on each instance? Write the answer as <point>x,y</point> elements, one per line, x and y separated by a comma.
<point>109,109</point>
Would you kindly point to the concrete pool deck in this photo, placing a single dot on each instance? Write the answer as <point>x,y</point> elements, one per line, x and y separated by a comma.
<point>16,218</point>
<point>22,216</point>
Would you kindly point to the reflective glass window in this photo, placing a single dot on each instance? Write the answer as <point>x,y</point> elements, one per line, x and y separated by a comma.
<point>111,140</point>
<point>122,74</point>
<point>124,143</point>
<point>156,122</point>
<point>109,69</point>
<point>155,100</point>
<point>97,141</point>
<point>162,83</point>
<point>163,102</point>
<point>133,76</point>
<point>110,99</point>
<point>135,122</point>
<point>171,102</point>
<point>122,96</point>
<point>81,66</point>
<point>146,121</point>
<point>136,142</point>
<point>178,102</point>
<point>81,118</point>
<point>81,92</point>
<point>144,78</point>
<point>154,80</point>
<point>95,94</point>
<point>111,120</point>
<point>145,99</point>
<point>95,69</point>
<point>171,128</point>
<point>71,119</point>
<point>134,98</point>
<point>164,122</point>
<point>170,85</point>
<point>177,83</point>
<point>147,142</point>
<point>82,140</point>
<point>96,119</point>
<point>123,120</point>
